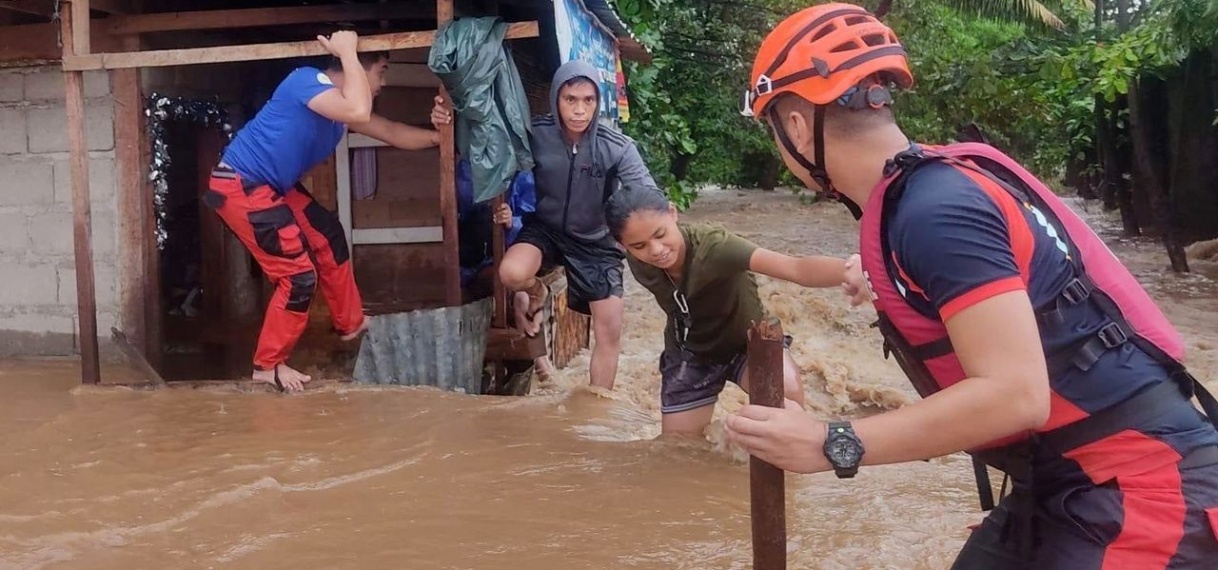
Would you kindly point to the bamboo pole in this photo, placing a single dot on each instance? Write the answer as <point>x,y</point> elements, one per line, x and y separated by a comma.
<point>766,482</point>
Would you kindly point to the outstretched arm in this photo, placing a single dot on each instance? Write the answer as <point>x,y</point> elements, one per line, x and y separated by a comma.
<point>1006,392</point>
<point>809,271</point>
<point>397,134</point>
<point>955,254</point>
<point>632,172</point>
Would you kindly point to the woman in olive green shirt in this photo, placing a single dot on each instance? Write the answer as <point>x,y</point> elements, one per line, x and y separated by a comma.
<point>701,276</point>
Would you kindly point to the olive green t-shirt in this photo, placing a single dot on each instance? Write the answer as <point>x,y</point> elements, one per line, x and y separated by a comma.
<point>719,289</point>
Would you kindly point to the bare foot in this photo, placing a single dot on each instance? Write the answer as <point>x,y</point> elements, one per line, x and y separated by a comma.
<point>283,377</point>
<point>543,368</point>
<point>521,305</point>
<point>363,326</point>
<point>538,294</point>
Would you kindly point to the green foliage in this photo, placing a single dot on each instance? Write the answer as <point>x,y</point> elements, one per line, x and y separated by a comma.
<point>685,104</point>
<point>1026,73</point>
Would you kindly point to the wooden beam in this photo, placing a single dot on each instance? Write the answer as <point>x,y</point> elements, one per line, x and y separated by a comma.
<point>44,8</point>
<point>47,7</point>
<point>257,17</point>
<point>511,344</point>
<point>86,298</point>
<point>115,6</point>
<point>254,52</point>
<point>136,287</point>
<point>767,486</point>
<point>81,43</point>
<point>448,179</point>
<point>426,234</point>
<point>39,43</point>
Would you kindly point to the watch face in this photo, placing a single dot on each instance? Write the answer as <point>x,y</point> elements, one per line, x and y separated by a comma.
<point>843,451</point>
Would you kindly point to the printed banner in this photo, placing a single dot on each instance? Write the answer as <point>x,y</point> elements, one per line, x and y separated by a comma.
<point>581,37</point>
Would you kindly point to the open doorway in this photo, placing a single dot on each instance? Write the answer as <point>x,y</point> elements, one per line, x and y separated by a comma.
<point>209,288</point>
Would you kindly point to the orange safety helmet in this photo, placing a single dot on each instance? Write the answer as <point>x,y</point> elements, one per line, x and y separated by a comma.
<point>827,53</point>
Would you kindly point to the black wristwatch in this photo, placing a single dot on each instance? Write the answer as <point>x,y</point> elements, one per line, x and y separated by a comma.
<point>843,449</point>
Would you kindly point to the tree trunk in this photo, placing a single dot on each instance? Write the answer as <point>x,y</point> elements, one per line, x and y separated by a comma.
<point>883,9</point>
<point>679,167</point>
<point>1141,135</point>
<point>1105,148</point>
<point>1193,146</point>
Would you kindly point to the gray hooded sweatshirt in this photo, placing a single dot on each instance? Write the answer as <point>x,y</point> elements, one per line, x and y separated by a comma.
<point>574,181</point>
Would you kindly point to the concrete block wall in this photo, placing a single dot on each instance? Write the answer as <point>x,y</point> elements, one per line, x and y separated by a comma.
<point>38,308</point>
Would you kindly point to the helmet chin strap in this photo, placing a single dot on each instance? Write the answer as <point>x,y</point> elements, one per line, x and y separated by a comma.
<point>817,172</point>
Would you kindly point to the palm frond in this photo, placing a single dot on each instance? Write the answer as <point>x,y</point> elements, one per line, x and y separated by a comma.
<point>1029,12</point>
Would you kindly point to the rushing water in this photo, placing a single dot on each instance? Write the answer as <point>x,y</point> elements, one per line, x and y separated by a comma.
<point>346,476</point>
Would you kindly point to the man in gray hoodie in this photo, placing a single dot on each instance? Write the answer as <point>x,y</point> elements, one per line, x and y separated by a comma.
<point>579,163</point>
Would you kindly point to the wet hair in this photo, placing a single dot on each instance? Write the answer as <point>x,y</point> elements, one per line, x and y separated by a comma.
<point>367,59</point>
<point>627,201</point>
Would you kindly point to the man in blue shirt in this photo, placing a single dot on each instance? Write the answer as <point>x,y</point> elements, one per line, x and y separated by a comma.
<point>256,191</point>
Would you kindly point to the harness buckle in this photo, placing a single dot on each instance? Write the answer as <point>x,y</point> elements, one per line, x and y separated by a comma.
<point>1112,335</point>
<point>764,85</point>
<point>1076,291</point>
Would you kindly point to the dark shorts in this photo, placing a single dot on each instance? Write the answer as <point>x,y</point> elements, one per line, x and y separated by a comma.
<point>688,382</point>
<point>594,269</point>
<point>1165,518</point>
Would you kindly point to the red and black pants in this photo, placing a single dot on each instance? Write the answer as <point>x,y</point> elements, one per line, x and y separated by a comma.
<point>1163,516</point>
<point>298,243</point>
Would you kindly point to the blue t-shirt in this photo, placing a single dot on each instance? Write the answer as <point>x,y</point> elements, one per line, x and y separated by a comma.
<point>286,138</point>
<point>953,248</point>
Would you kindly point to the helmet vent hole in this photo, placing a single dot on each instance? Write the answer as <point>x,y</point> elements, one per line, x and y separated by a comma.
<point>849,46</point>
<point>829,29</point>
<point>856,20</point>
<point>875,39</point>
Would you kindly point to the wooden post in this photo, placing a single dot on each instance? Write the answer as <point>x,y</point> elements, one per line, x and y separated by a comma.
<point>74,27</point>
<point>136,288</point>
<point>448,184</point>
<point>498,245</point>
<point>766,482</point>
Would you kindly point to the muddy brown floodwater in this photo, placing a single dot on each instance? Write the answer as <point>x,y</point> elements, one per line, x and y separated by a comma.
<point>354,477</point>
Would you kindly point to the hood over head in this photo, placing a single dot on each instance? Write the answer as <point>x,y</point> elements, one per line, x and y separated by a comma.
<point>571,70</point>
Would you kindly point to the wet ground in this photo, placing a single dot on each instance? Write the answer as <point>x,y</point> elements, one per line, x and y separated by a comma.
<point>354,477</point>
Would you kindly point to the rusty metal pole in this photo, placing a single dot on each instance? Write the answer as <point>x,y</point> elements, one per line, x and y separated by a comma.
<point>74,31</point>
<point>766,482</point>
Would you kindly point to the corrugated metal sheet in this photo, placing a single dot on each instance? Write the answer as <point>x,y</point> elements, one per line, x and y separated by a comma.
<point>434,347</point>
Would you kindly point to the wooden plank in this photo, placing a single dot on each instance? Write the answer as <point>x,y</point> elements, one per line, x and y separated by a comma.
<point>766,482</point>
<point>393,276</point>
<point>39,43</point>
<point>256,52</point>
<point>448,184</point>
<point>356,140</point>
<point>511,344</point>
<point>256,17</point>
<point>45,8</point>
<point>86,298</point>
<point>135,285</point>
<point>433,234</point>
<point>116,6</point>
<point>342,170</point>
<point>80,27</point>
